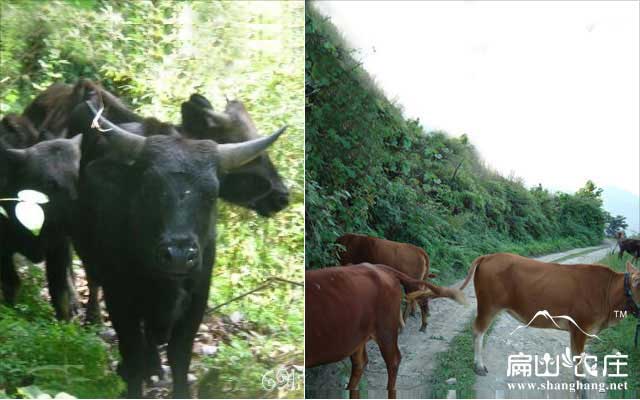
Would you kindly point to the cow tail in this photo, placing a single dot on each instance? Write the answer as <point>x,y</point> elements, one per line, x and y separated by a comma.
<point>472,270</point>
<point>434,291</point>
<point>409,284</point>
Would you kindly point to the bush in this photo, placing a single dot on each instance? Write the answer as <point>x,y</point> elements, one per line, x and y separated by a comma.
<point>54,356</point>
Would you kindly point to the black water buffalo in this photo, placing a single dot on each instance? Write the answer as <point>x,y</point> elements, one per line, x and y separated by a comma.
<point>268,194</point>
<point>146,228</point>
<point>256,185</point>
<point>50,167</point>
<point>17,132</point>
<point>49,112</point>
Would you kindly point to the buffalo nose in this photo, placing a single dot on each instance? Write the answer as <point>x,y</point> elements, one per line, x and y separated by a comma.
<point>178,258</point>
<point>281,199</point>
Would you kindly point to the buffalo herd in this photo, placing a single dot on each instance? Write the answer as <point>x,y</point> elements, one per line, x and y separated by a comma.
<point>136,198</point>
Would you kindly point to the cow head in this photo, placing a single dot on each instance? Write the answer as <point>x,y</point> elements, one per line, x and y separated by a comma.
<point>17,132</point>
<point>634,280</point>
<point>50,167</point>
<point>257,184</point>
<point>171,186</point>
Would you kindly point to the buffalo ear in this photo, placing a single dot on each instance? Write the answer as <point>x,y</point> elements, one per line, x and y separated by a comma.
<point>631,269</point>
<point>76,141</point>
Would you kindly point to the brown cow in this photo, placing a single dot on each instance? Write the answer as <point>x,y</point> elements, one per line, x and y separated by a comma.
<point>345,307</point>
<point>525,288</point>
<point>404,257</point>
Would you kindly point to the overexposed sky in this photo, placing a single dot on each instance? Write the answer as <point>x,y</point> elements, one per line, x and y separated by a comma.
<point>547,91</point>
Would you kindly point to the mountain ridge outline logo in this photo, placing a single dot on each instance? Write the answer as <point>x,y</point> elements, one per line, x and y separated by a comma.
<point>546,314</point>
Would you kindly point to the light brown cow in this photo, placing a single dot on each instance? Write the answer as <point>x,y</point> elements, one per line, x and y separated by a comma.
<point>345,307</point>
<point>404,257</point>
<point>588,293</point>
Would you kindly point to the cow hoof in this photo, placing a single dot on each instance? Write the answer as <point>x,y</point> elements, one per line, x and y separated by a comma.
<point>423,329</point>
<point>481,370</point>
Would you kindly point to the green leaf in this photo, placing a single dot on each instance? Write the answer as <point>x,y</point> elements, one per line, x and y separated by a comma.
<point>33,196</point>
<point>33,392</point>
<point>30,215</point>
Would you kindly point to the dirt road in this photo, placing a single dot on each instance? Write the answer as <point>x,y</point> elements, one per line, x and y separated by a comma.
<point>447,319</point>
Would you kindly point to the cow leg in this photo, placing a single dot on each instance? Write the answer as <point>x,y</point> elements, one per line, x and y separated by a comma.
<point>58,258</point>
<point>480,326</point>
<point>578,340</point>
<point>9,279</point>
<point>93,305</point>
<point>131,345</point>
<point>388,343</point>
<point>424,311</point>
<point>153,364</point>
<point>359,361</point>
<point>181,342</point>
<point>401,321</point>
<point>71,284</point>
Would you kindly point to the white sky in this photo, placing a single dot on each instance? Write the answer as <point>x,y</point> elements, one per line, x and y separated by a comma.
<point>548,91</point>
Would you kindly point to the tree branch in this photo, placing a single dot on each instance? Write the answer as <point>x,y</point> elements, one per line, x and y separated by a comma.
<point>267,282</point>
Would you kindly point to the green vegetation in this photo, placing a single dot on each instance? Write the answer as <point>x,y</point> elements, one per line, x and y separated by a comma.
<point>54,357</point>
<point>620,338</point>
<point>456,362</point>
<point>370,170</point>
<point>154,54</point>
<point>615,224</point>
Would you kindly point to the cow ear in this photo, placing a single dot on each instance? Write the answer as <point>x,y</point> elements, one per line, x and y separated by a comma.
<point>221,119</point>
<point>76,141</point>
<point>631,269</point>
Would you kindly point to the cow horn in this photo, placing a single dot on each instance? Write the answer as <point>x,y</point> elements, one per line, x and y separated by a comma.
<point>16,154</point>
<point>126,144</point>
<point>221,118</point>
<point>235,155</point>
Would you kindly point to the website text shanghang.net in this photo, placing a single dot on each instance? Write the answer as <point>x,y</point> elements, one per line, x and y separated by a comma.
<point>601,387</point>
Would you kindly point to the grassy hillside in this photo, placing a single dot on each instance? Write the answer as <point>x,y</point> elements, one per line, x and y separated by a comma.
<point>370,170</point>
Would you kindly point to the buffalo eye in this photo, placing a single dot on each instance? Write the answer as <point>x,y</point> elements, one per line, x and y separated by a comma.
<point>185,194</point>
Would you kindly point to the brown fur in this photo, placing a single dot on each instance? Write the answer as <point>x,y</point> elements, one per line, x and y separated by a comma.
<point>588,293</point>
<point>348,306</point>
<point>404,257</point>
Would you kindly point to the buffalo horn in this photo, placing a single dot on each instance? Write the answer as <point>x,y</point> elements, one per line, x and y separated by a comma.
<point>235,155</point>
<point>123,143</point>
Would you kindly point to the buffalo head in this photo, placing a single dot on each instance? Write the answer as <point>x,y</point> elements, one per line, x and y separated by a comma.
<point>17,132</point>
<point>50,167</point>
<point>172,184</point>
<point>256,185</point>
